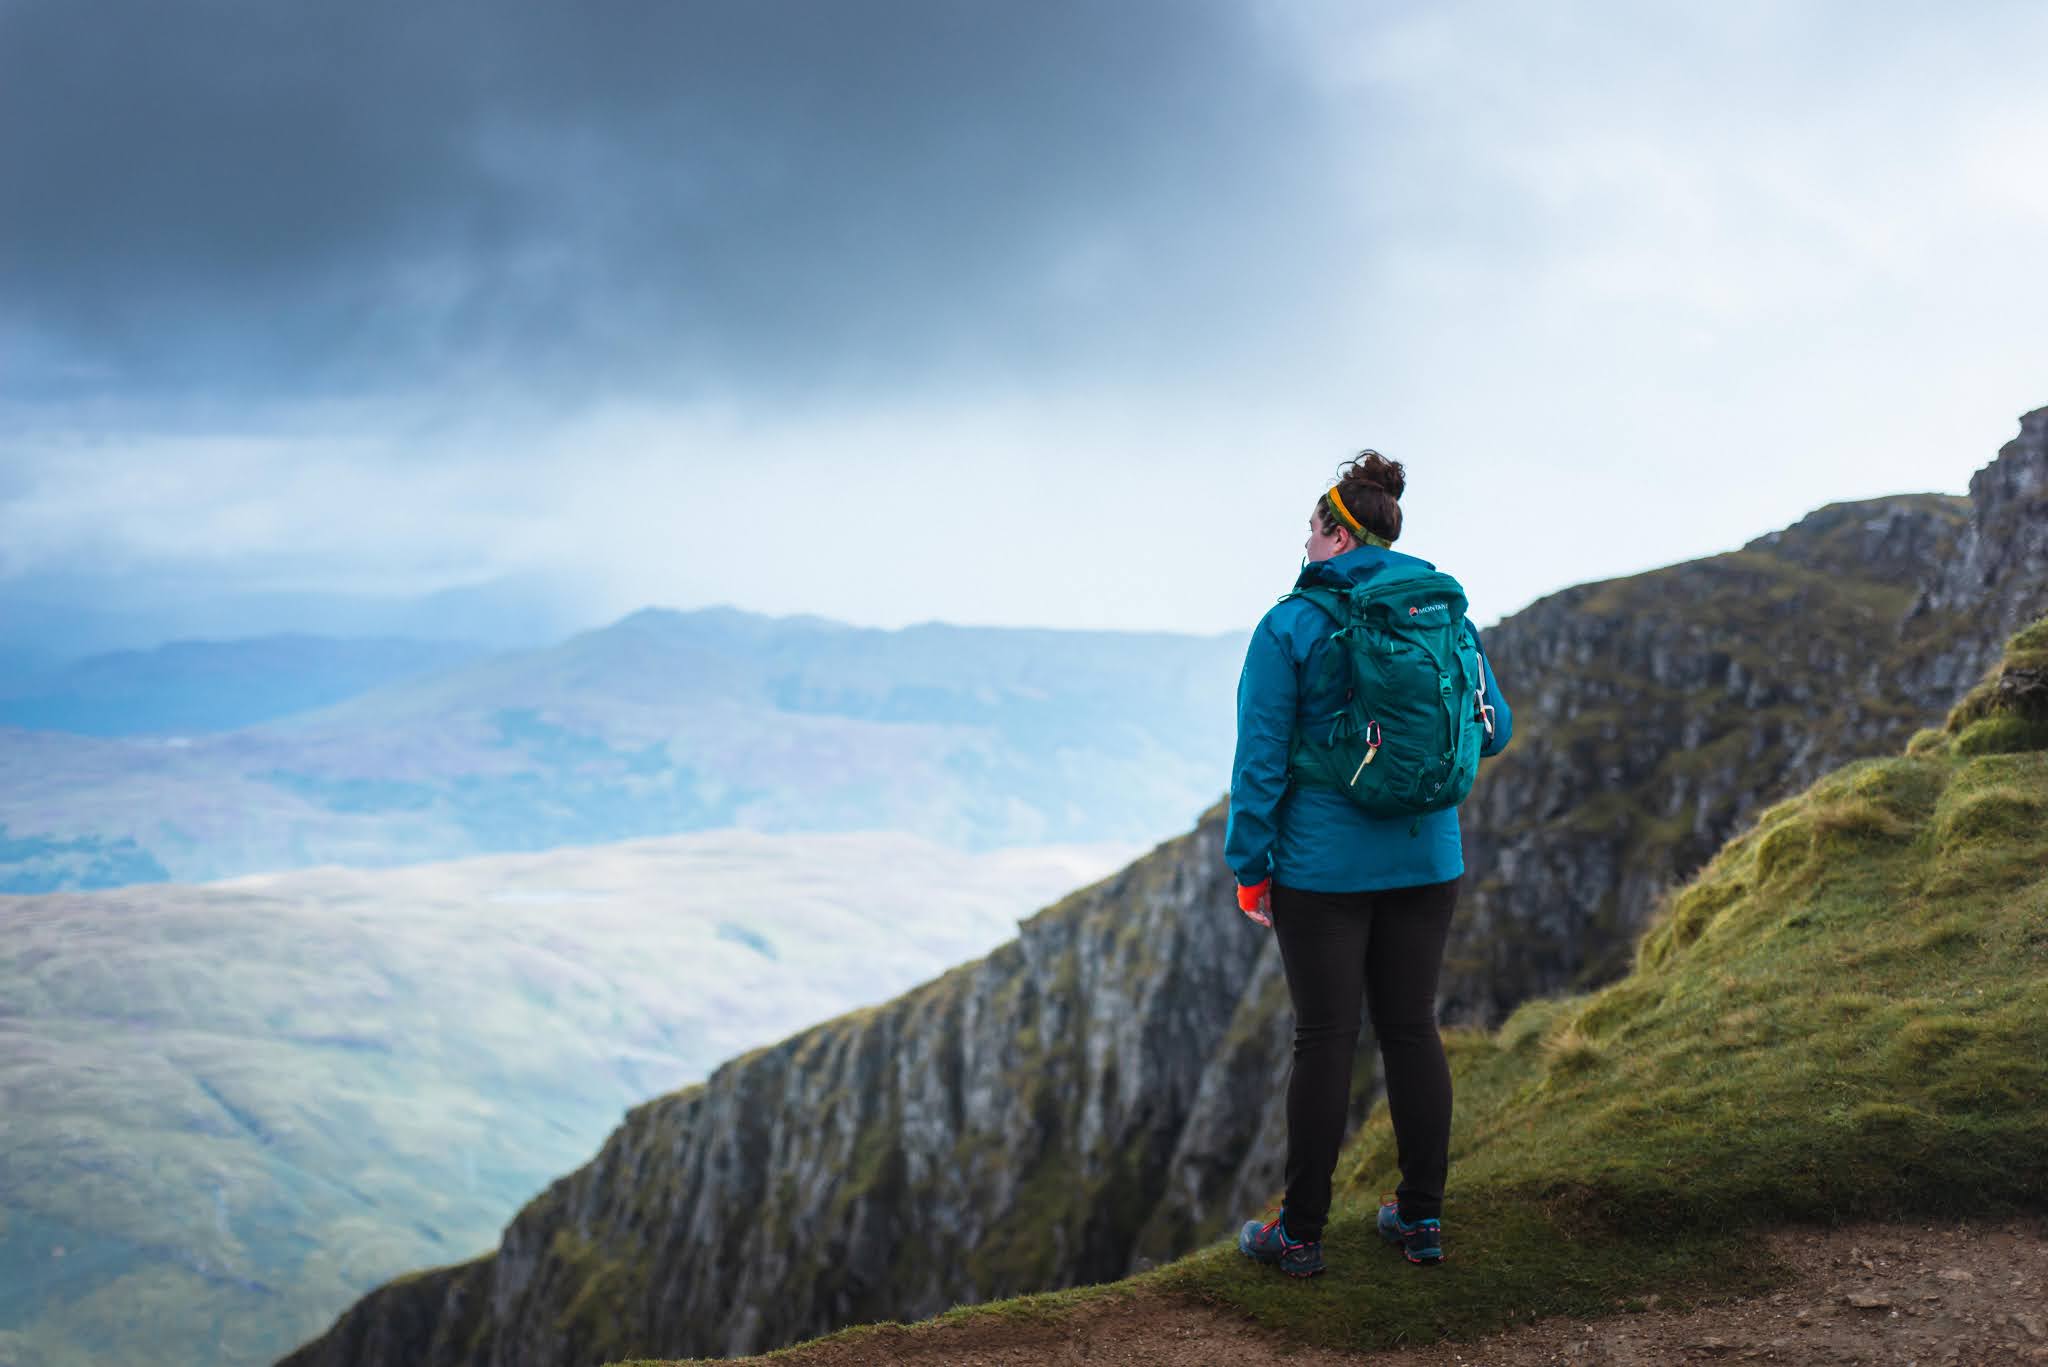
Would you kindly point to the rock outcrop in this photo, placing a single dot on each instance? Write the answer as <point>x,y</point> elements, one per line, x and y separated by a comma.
<point>1656,714</point>
<point>1994,579</point>
<point>1103,1090</point>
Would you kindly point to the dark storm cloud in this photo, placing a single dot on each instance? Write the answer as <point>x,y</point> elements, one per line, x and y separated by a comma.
<point>272,200</point>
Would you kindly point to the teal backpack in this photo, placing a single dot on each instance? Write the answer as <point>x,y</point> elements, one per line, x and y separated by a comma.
<point>1407,738</point>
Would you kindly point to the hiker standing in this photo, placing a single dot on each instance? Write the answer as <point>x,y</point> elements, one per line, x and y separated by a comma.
<point>1365,705</point>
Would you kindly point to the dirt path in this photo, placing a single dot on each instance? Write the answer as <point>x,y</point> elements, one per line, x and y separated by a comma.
<point>1871,1294</point>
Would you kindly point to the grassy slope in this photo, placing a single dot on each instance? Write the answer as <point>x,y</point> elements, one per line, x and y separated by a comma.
<point>1804,610</point>
<point>1844,1016</point>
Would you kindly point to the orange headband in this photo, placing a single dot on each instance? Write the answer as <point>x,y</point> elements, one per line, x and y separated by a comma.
<point>1344,514</point>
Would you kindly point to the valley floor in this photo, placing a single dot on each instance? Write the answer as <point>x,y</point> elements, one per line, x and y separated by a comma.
<point>1891,1294</point>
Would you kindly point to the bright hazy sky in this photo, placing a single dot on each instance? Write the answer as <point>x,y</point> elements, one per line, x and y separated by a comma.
<point>1045,313</point>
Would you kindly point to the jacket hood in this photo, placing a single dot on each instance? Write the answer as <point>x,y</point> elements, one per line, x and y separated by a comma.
<point>1357,566</point>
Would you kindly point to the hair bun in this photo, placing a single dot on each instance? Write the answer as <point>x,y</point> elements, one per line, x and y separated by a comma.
<point>1372,468</point>
<point>1369,488</point>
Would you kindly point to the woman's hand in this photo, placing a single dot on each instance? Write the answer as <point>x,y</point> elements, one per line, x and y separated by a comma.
<point>1256,901</point>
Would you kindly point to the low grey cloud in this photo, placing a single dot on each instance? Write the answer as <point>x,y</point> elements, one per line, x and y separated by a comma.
<point>1054,313</point>
<point>257,200</point>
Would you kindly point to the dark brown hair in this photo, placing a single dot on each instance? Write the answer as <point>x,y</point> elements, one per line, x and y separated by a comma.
<point>1371,487</point>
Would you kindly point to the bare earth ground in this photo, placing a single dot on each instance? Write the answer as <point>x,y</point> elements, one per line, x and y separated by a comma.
<point>1892,1294</point>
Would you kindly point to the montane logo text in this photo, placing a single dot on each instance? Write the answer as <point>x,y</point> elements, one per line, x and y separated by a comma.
<point>1429,607</point>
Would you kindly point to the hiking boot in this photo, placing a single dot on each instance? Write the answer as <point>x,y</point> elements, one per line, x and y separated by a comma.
<point>1420,1243</point>
<point>1268,1243</point>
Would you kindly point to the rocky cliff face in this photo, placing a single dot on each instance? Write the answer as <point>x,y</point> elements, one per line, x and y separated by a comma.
<point>1103,1091</point>
<point>1993,581</point>
<point>1656,714</point>
<point>1083,1098</point>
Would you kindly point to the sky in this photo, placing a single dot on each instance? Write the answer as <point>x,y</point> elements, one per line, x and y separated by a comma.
<point>1058,314</point>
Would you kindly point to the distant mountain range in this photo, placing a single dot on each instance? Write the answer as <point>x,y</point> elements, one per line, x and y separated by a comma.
<point>662,723</point>
<point>195,687</point>
<point>49,618</point>
<point>1674,703</point>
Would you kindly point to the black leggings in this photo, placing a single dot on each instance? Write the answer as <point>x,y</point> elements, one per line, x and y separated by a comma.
<point>1389,947</point>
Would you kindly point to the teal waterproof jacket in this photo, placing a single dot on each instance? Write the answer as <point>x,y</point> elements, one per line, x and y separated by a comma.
<point>1310,837</point>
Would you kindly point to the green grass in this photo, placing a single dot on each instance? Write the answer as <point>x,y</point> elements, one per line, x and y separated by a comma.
<point>1844,1016</point>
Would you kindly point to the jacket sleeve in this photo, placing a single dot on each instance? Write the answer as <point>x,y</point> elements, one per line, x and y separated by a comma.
<point>1266,692</point>
<point>1503,715</point>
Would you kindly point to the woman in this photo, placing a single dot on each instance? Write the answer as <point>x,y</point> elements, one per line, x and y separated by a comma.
<point>1361,904</point>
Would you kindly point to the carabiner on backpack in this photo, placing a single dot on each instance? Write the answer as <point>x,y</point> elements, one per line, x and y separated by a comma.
<point>1372,750</point>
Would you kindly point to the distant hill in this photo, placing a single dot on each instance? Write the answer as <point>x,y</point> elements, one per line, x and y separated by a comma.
<point>194,687</point>
<point>67,615</point>
<point>1662,710</point>
<point>227,1111</point>
<point>664,722</point>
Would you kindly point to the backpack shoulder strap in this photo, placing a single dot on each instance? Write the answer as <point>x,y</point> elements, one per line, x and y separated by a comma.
<point>1334,604</point>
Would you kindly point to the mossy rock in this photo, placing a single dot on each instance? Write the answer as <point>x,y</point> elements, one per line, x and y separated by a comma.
<point>2031,640</point>
<point>2002,735</point>
<point>2017,690</point>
